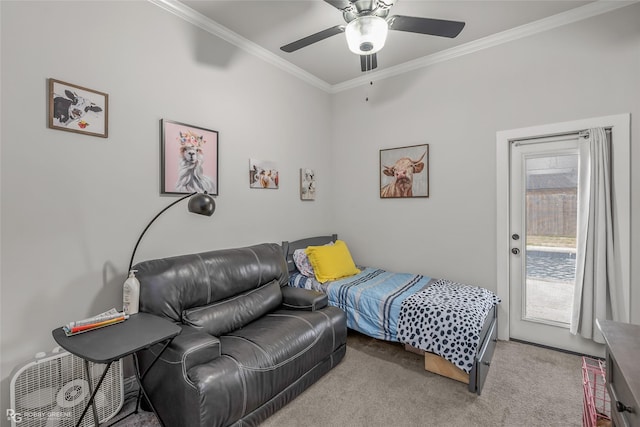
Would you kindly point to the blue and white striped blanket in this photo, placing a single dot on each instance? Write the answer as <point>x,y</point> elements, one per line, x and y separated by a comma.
<point>435,315</point>
<point>371,299</point>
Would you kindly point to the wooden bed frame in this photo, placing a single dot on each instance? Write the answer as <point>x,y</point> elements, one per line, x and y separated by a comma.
<point>475,379</point>
<point>432,362</point>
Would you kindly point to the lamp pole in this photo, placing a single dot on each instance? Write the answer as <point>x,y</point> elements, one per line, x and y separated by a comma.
<point>202,203</point>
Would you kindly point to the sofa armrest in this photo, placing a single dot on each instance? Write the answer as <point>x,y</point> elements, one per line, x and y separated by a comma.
<point>303,299</point>
<point>192,347</point>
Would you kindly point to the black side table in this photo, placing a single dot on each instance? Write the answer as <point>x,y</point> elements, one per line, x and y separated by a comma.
<point>111,343</point>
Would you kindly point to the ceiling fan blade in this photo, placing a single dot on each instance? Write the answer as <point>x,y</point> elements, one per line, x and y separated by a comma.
<point>313,38</point>
<point>432,27</point>
<point>342,5</point>
<point>368,62</point>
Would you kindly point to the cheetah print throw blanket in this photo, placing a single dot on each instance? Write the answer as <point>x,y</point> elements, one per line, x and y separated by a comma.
<point>446,318</point>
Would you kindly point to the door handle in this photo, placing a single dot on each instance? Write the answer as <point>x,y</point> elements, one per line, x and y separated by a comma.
<point>515,251</point>
<point>621,407</point>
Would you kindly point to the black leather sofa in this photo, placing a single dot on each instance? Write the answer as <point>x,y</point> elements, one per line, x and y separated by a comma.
<point>249,343</point>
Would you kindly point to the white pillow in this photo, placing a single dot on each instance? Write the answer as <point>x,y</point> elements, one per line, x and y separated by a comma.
<point>301,260</point>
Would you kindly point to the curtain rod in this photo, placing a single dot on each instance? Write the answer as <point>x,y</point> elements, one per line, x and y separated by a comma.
<point>584,133</point>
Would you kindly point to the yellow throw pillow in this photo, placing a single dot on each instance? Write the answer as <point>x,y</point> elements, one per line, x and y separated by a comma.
<point>331,262</point>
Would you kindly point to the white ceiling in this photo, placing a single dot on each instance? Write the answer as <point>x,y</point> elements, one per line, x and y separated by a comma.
<point>265,25</point>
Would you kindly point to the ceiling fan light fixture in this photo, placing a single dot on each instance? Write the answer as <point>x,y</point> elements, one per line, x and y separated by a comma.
<point>366,35</point>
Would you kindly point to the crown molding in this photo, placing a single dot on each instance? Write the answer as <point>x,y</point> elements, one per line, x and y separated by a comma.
<point>589,10</point>
<point>574,15</point>
<point>210,26</point>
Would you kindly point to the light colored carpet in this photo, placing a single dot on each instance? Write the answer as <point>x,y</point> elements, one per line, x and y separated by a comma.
<point>380,384</point>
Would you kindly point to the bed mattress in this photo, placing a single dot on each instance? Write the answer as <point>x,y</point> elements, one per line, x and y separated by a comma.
<point>371,299</point>
<point>435,315</point>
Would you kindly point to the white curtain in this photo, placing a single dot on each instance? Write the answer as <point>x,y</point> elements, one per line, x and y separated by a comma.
<point>596,292</point>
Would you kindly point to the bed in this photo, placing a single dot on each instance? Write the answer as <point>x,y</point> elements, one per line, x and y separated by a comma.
<point>454,325</point>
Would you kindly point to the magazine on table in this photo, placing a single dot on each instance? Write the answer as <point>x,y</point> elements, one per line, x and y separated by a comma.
<point>101,320</point>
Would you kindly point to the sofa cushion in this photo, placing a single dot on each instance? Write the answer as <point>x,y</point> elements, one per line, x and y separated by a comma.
<point>233,313</point>
<point>262,359</point>
<point>170,286</point>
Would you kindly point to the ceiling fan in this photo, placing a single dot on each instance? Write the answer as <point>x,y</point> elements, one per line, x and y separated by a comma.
<point>368,22</point>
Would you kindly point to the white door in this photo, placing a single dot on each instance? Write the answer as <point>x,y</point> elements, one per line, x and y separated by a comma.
<point>543,214</point>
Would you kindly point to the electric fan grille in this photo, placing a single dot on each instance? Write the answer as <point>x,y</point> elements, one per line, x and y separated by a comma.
<point>53,391</point>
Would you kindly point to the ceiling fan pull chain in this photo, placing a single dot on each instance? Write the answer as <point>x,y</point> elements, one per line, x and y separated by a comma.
<point>366,99</point>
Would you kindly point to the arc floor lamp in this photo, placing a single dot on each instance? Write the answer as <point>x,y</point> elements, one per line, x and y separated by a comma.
<point>199,203</point>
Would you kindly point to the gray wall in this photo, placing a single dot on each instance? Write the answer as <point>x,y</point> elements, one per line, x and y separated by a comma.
<point>73,205</point>
<point>583,70</point>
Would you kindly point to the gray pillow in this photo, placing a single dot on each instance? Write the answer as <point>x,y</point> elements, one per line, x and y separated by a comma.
<point>233,313</point>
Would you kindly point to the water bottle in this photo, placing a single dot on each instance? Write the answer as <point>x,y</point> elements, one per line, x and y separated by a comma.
<point>131,294</point>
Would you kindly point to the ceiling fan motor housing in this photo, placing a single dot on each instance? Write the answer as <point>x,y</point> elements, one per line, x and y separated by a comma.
<point>360,8</point>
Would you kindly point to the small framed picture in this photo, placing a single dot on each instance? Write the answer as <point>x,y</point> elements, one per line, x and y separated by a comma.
<point>307,184</point>
<point>404,172</point>
<point>189,159</point>
<point>78,109</point>
<point>263,174</point>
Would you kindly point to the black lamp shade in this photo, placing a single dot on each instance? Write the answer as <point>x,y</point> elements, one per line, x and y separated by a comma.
<point>202,204</point>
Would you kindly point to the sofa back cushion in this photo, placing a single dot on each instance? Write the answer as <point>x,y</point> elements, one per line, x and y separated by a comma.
<point>170,287</point>
<point>233,313</point>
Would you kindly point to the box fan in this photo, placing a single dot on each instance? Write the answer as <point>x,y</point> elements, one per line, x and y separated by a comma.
<point>53,390</point>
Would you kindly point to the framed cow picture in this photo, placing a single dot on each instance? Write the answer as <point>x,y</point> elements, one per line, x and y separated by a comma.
<point>78,109</point>
<point>263,174</point>
<point>404,172</point>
